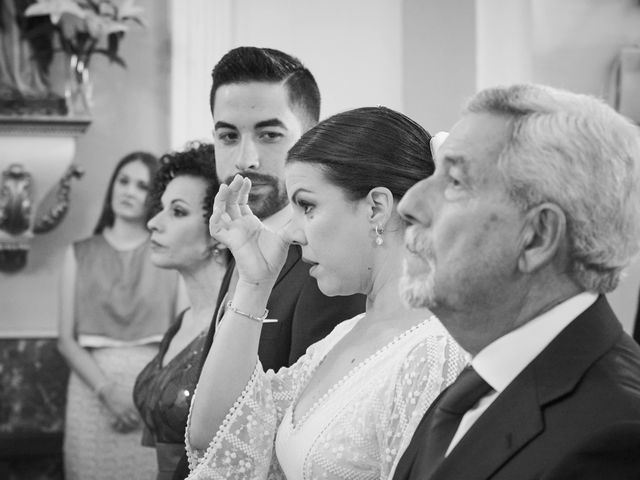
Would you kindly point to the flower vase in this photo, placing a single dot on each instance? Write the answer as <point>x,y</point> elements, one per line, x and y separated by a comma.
<point>78,87</point>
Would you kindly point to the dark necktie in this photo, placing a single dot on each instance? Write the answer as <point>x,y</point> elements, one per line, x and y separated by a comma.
<point>443,420</point>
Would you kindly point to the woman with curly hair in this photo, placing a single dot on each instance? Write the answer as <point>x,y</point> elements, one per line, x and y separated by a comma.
<point>182,200</point>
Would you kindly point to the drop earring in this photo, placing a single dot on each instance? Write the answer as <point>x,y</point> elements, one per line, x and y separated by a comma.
<point>379,231</point>
<point>216,252</point>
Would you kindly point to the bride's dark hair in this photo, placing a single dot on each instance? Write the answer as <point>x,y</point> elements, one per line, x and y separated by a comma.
<point>368,147</point>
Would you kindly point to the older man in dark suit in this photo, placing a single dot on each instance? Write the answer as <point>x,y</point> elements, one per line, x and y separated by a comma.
<point>532,213</point>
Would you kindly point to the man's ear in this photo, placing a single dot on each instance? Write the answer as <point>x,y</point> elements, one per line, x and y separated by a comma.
<point>380,204</point>
<point>543,237</point>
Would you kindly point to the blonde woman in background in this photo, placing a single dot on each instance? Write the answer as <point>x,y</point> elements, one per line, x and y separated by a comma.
<point>114,307</point>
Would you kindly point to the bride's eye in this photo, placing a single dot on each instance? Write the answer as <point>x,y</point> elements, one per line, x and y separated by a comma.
<point>305,206</point>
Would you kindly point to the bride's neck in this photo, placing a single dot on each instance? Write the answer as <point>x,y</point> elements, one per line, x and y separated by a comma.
<point>384,301</point>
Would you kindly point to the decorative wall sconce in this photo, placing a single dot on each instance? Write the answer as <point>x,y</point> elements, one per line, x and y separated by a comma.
<point>35,180</point>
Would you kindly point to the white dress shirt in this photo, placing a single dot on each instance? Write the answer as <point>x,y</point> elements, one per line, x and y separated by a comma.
<point>500,362</point>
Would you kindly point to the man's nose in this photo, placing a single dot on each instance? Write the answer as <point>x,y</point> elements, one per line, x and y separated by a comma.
<point>414,206</point>
<point>248,158</point>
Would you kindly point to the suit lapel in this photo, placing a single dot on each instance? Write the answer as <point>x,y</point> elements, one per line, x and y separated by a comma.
<point>562,364</point>
<point>511,422</point>
<point>293,256</point>
<point>516,416</point>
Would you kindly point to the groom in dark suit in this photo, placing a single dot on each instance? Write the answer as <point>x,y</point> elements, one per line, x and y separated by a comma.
<point>531,214</point>
<point>262,101</point>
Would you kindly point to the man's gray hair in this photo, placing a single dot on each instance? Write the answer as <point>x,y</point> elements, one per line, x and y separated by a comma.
<point>578,153</point>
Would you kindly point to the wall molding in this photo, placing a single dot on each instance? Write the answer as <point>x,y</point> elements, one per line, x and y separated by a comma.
<point>201,32</point>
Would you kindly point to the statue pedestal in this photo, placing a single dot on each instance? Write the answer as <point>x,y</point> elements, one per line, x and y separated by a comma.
<point>35,169</point>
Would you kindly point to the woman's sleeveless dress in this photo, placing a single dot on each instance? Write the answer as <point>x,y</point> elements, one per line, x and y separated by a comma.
<point>123,305</point>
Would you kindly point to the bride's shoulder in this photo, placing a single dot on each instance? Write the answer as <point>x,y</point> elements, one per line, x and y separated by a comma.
<point>454,349</point>
<point>340,330</point>
<point>434,342</point>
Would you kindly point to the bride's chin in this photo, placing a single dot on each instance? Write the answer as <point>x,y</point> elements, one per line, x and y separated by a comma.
<point>326,288</point>
<point>159,261</point>
<point>336,289</point>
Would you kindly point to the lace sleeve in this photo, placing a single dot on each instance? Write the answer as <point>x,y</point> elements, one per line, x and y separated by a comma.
<point>429,368</point>
<point>243,445</point>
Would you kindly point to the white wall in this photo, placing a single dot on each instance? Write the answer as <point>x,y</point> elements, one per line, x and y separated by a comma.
<point>503,42</point>
<point>439,60</point>
<point>423,57</point>
<point>130,112</point>
<point>574,46</point>
<point>568,44</point>
<point>352,47</point>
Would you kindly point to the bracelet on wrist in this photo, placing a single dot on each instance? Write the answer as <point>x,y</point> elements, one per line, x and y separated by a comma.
<point>255,318</point>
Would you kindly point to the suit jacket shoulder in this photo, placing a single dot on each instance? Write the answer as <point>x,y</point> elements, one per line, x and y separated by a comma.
<point>612,452</point>
<point>585,382</point>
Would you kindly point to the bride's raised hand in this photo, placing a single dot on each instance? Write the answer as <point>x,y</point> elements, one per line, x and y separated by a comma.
<point>259,252</point>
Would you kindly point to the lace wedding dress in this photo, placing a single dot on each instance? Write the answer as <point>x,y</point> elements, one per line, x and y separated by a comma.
<point>357,430</point>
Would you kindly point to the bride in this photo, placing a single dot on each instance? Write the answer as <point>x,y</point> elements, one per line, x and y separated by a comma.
<point>349,406</point>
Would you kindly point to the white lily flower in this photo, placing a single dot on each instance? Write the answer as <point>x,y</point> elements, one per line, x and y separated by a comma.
<point>55,9</point>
